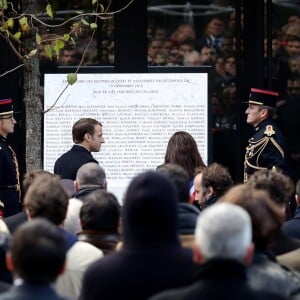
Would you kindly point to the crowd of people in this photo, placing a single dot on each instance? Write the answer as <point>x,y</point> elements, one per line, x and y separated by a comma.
<point>184,230</point>
<point>212,44</point>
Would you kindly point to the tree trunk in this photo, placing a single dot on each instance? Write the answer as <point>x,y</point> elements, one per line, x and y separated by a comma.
<point>32,99</point>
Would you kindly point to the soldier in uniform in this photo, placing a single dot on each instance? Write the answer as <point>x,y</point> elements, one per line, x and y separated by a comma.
<point>266,148</point>
<point>9,171</point>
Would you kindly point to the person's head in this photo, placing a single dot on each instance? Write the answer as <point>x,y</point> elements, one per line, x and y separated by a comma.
<point>293,47</point>
<point>174,58</point>
<point>231,22</point>
<point>88,132</point>
<point>184,32</point>
<point>262,105</point>
<point>149,213</point>
<point>279,186</point>
<point>192,59</point>
<point>31,176</point>
<point>294,19</point>
<point>275,46</point>
<point>182,149</point>
<point>208,55</point>
<point>90,174</point>
<point>215,27</point>
<point>220,66</point>
<point>266,216</point>
<point>293,86</point>
<point>37,252</point>
<point>154,48</point>
<point>166,47</point>
<point>7,120</point>
<point>294,65</point>
<point>47,198</point>
<point>223,231</point>
<point>160,33</point>
<point>230,65</point>
<point>226,46</point>
<point>290,31</point>
<point>179,176</point>
<point>213,180</point>
<point>100,211</point>
<point>70,56</point>
<point>186,47</point>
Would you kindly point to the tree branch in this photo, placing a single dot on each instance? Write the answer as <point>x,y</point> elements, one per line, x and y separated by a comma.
<point>12,70</point>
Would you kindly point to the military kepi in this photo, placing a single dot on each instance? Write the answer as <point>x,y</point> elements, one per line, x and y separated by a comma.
<point>263,97</point>
<point>6,107</point>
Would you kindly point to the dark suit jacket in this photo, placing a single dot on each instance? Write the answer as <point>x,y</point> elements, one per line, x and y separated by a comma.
<point>13,222</point>
<point>292,226</point>
<point>218,279</point>
<point>283,243</point>
<point>137,274</point>
<point>67,165</point>
<point>30,292</point>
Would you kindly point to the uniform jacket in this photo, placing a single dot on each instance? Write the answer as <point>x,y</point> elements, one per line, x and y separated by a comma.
<point>68,164</point>
<point>30,292</point>
<point>266,149</point>
<point>9,181</point>
<point>217,279</point>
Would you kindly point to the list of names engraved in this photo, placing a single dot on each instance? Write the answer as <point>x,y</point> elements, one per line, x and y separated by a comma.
<point>139,113</point>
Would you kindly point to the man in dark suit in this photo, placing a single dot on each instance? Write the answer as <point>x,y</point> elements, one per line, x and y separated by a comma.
<point>267,147</point>
<point>223,248</point>
<point>9,170</point>
<point>37,256</point>
<point>87,137</point>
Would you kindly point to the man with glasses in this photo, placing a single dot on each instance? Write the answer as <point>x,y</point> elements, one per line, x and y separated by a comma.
<point>9,170</point>
<point>266,148</point>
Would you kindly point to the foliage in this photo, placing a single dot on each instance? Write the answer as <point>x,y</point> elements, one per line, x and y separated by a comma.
<point>15,27</point>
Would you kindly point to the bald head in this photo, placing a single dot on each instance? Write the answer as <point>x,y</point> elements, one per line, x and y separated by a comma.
<point>91,174</point>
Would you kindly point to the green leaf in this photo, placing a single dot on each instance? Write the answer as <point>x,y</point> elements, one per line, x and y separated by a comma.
<point>3,4</point>
<point>10,23</point>
<point>48,51</point>
<point>85,22</point>
<point>93,26</point>
<point>23,21</point>
<point>49,10</point>
<point>101,8</point>
<point>72,78</point>
<point>17,35</point>
<point>59,44</point>
<point>32,52</point>
<point>4,27</point>
<point>94,2</point>
<point>38,39</point>
<point>66,37</point>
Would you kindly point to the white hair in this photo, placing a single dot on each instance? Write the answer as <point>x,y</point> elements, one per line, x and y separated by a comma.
<point>223,231</point>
